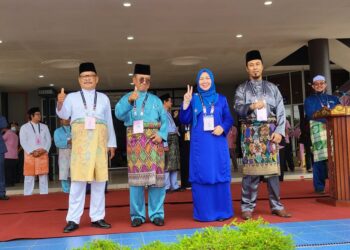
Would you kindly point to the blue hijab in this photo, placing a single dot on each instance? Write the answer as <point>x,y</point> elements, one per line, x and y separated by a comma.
<point>209,96</point>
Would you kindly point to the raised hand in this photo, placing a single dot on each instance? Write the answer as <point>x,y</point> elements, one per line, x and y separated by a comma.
<point>188,94</point>
<point>134,95</point>
<point>60,99</point>
<point>61,96</point>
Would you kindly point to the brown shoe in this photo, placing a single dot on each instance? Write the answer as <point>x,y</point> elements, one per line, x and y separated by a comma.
<point>281,213</point>
<point>246,215</point>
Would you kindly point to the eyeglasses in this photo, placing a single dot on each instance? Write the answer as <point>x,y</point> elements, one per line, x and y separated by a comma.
<point>87,76</point>
<point>144,79</point>
<point>38,114</point>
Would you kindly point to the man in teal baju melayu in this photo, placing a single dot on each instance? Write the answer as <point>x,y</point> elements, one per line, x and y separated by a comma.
<point>146,121</point>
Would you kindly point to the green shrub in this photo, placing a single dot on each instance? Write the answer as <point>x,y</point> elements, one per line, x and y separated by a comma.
<point>251,234</point>
<point>102,245</point>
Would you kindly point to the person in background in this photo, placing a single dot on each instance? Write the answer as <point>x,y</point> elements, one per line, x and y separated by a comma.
<point>232,145</point>
<point>11,156</point>
<point>63,141</point>
<point>210,169</point>
<point>35,139</point>
<point>171,148</point>
<point>318,131</point>
<point>3,150</point>
<point>20,162</point>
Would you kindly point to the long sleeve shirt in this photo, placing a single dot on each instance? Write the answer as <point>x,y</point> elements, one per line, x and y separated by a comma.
<point>153,112</point>
<point>61,137</point>
<point>73,108</point>
<point>11,141</point>
<point>248,93</point>
<point>315,102</point>
<point>34,136</point>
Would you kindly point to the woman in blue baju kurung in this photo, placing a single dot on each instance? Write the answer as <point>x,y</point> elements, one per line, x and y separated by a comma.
<point>210,173</point>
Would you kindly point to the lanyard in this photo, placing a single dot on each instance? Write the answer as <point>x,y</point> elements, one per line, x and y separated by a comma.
<point>187,127</point>
<point>34,129</point>
<point>253,90</point>
<point>142,108</point>
<point>84,101</point>
<point>204,108</point>
<point>320,100</point>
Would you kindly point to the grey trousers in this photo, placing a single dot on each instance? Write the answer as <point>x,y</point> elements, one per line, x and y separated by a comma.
<point>250,184</point>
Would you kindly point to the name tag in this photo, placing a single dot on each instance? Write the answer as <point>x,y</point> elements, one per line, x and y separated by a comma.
<point>90,122</point>
<point>261,114</point>
<point>38,140</point>
<point>187,136</point>
<point>137,127</point>
<point>208,121</point>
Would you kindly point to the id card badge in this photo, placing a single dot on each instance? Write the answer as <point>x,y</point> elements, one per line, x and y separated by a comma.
<point>208,121</point>
<point>261,114</point>
<point>187,136</point>
<point>38,140</point>
<point>137,127</point>
<point>90,122</point>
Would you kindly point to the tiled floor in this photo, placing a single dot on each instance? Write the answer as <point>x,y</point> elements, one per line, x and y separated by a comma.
<point>327,234</point>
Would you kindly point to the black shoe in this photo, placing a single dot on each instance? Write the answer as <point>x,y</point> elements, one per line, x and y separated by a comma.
<point>136,222</point>
<point>4,198</point>
<point>168,191</point>
<point>101,224</point>
<point>179,190</point>
<point>158,222</point>
<point>70,227</point>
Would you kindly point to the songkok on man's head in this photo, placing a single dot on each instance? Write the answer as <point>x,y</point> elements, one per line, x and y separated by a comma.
<point>164,97</point>
<point>319,78</point>
<point>87,66</point>
<point>142,69</point>
<point>252,55</point>
<point>32,111</point>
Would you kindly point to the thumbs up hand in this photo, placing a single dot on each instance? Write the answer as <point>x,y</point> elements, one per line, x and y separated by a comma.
<point>61,96</point>
<point>60,99</point>
<point>134,95</point>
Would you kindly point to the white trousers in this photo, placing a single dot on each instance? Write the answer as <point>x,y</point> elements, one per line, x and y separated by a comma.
<point>29,182</point>
<point>77,201</point>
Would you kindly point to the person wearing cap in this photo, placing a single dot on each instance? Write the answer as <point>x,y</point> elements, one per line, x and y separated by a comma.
<point>146,121</point>
<point>318,132</point>
<point>3,150</point>
<point>259,105</point>
<point>63,141</point>
<point>93,139</point>
<point>172,151</point>
<point>210,168</point>
<point>35,140</point>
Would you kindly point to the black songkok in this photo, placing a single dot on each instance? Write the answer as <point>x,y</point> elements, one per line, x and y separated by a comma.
<point>164,97</point>
<point>142,69</point>
<point>252,55</point>
<point>32,111</point>
<point>87,66</point>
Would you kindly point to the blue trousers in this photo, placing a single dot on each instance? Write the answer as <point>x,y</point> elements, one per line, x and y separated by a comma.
<point>319,175</point>
<point>156,196</point>
<point>2,175</point>
<point>171,180</point>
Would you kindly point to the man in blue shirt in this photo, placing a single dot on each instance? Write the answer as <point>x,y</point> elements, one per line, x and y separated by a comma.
<point>318,133</point>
